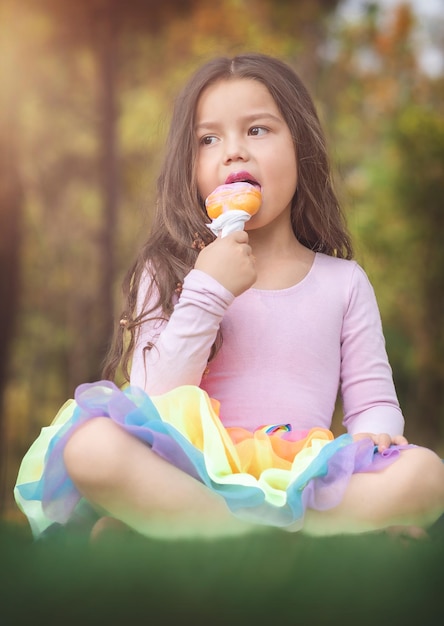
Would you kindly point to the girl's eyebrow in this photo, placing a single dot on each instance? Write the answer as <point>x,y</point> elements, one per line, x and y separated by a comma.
<point>252,117</point>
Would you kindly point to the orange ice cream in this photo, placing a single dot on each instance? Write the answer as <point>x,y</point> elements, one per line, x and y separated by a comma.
<point>235,196</point>
<point>231,205</point>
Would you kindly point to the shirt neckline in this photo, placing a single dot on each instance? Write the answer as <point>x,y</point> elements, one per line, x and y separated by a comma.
<point>292,287</point>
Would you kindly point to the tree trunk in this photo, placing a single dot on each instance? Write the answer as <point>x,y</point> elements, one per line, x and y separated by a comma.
<point>107,106</point>
<point>94,319</point>
<point>11,208</point>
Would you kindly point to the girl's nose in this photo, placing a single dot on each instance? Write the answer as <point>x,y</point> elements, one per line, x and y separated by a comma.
<point>235,150</point>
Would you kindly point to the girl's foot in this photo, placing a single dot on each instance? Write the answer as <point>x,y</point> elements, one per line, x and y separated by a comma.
<point>107,527</point>
<point>407,532</point>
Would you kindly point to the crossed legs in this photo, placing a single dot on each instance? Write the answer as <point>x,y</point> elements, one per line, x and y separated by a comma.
<point>122,476</point>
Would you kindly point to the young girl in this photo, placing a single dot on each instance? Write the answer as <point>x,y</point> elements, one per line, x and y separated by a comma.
<point>242,343</point>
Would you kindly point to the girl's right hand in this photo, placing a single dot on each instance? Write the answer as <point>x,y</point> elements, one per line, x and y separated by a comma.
<point>230,261</point>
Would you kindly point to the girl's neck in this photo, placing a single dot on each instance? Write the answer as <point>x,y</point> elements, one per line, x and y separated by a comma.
<point>281,260</point>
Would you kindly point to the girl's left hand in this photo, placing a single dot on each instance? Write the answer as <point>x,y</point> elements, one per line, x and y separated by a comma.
<point>382,440</point>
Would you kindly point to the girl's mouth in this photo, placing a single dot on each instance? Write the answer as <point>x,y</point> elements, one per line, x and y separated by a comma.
<point>242,177</point>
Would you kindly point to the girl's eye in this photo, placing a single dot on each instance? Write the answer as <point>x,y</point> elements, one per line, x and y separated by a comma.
<point>208,140</point>
<point>257,130</point>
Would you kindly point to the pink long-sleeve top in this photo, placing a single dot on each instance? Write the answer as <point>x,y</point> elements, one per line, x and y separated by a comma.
<point>284,355</point>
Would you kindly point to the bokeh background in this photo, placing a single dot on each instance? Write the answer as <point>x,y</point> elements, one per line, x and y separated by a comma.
<point>86,89</point>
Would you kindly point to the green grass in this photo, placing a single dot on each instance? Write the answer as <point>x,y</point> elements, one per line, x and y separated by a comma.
<point>271,578</point>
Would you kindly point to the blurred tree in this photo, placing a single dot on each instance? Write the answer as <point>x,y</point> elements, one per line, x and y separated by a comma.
<point>99,26</point>
<point>11,210</point>
<point>419,184</point>
<point>304,27</point>
<point>384,119</point>
<point>62,34</point>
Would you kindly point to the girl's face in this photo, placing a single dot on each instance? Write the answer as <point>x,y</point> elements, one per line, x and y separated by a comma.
<point>243,136</point>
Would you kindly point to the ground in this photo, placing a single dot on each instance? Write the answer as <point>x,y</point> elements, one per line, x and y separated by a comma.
<point>272,577</point>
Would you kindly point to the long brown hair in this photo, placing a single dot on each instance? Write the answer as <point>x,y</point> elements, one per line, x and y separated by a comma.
<point>179,225</point>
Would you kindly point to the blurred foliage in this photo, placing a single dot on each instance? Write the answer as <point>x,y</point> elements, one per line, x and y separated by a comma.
<point>86,91</point>
<point>386,121</point>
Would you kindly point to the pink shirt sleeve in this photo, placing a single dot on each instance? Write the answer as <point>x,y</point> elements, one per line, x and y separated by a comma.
<point>368,392</point>
<point>182,346</point>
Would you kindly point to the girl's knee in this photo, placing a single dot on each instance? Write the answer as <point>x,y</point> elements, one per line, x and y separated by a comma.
<point>426,470</point>
<point>424,461</point>
<point>90,450</point>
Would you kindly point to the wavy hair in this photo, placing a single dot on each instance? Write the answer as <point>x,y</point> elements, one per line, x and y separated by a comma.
<point>179,228</point>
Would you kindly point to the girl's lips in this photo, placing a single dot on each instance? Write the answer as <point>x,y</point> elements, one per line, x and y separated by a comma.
<point>242,177</point>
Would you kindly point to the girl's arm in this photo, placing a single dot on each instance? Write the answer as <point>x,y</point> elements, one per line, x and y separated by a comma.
<point>368,392</point>
<point>181,345</point>
<point>224,269</point>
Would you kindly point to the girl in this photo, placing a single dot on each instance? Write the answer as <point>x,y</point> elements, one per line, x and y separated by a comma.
<point>241,343</point>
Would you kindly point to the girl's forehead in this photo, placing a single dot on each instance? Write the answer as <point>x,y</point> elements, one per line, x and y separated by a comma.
<point>234,84</point>
<point>247,92</point>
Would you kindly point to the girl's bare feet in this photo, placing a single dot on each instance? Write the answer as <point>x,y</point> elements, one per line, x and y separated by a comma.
<point>407,532</point>
<point>108,526</point>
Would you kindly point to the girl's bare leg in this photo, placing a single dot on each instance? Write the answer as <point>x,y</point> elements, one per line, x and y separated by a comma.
<point>410,492</point>
<point>124,478</point>
<point>121,475</point>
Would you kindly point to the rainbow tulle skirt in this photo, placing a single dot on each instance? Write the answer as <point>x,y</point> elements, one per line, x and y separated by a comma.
<point>269,476</point>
